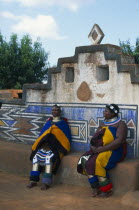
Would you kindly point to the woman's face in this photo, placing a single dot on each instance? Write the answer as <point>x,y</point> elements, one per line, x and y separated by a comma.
<point>56,111</point>
<point>108,114</point>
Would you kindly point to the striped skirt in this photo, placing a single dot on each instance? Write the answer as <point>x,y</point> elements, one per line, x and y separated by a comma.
<point>43,157</point>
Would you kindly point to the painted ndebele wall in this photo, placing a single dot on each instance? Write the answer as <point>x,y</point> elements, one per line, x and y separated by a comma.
<point>22,123</point>
<point>82,84</point>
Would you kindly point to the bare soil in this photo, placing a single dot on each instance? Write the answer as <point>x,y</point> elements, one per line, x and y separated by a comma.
<point>15,196</point>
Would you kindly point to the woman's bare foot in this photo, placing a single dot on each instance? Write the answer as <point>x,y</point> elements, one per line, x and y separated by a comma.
<point>45,187</point>
<point>31,184</point>
<point>104,194</point>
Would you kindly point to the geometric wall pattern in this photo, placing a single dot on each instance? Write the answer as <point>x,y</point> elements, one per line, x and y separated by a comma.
<point>22,123</point>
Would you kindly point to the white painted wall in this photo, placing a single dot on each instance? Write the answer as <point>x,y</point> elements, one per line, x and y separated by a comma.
<point>118,89</point>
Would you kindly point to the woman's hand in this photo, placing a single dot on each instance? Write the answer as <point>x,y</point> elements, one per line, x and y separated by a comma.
<point>97,149</point>
<point>100,149</point>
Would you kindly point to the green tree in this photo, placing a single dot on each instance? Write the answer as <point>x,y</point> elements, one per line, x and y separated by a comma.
<point>4,60</point>
<point>131,50</point>
<point>21,62</point>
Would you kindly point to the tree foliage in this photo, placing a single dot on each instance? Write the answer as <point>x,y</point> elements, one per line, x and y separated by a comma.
<point>21,62</point>
<point>131,50</point>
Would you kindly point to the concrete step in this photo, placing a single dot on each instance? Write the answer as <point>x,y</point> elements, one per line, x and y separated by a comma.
<point>15,159</point>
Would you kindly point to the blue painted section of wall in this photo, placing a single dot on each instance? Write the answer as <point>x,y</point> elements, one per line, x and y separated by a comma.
<point>9,122</point>
<point>130,151</point>
<point>38,109</point>
<point>78,147</point>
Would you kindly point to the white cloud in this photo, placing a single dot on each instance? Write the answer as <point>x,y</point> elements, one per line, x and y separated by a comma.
<point>8,0</point>
<point>73,5</point>
<point>7,15</point>
<point>41,26</point>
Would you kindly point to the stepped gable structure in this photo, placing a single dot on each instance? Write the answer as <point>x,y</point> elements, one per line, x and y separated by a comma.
<point>68,69</point>
<point>100,63</point>
<point>83,84</point>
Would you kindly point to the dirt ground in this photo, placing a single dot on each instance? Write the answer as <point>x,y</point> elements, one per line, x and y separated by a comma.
<point>15,196</point>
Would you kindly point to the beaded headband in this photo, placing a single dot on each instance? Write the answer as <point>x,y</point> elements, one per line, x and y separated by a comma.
<point>58,106</point>
<point>113,108</point>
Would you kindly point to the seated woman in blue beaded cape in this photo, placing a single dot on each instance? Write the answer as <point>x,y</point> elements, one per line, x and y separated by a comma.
<point>49,148</point>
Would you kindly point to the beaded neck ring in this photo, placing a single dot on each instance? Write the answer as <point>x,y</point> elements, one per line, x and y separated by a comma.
<point>112,121</point>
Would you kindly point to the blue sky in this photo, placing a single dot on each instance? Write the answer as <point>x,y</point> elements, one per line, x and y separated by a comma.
<point>62,25</point>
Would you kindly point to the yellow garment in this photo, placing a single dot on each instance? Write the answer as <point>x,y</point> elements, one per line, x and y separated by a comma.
<point>101,162</point>
<point>61,137</point>
<point>108,137</point>
<point>103,158</point>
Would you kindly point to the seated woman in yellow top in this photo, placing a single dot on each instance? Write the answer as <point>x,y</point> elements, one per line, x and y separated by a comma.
<point>107,148</point>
